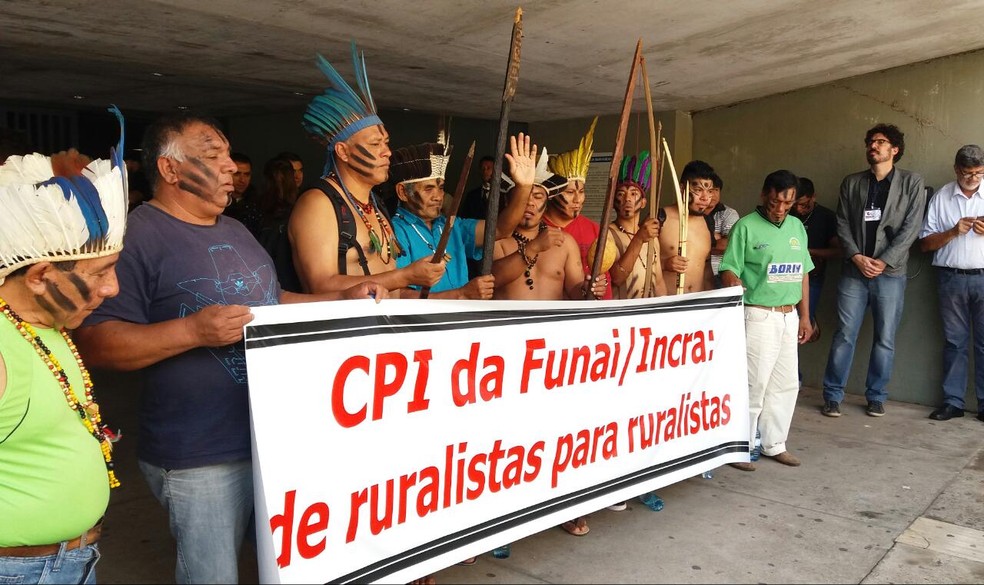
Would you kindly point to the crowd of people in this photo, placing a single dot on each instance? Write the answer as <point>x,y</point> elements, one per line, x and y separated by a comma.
<point>166,288</point>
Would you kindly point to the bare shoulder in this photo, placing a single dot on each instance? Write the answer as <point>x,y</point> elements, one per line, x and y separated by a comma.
<point>312,210</point>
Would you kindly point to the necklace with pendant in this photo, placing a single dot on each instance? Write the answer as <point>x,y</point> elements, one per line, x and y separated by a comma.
<point>386,241</point>
<point>521,242</point>
<point>88,412</point>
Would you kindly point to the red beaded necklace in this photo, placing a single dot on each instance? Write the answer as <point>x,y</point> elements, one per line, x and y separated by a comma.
<point>88,412</point>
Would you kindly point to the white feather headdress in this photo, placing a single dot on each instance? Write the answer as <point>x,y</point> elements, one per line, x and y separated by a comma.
<point>61,218</point>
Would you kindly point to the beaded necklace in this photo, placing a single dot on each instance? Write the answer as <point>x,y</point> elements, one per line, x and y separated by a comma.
<point>387,239</point>
<point>619,227</point>
<point>521,242</point>
<point>447,257</point>
<point>88,412</point>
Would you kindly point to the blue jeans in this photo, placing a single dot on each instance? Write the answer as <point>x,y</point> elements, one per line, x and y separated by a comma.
<point>816,286</point>
<point>65,566</point>
<point>961,307</point>
<point>855,293</point>
<point>209,509</point>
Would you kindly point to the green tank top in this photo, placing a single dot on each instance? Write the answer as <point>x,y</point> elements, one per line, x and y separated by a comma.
<point>53,483</point>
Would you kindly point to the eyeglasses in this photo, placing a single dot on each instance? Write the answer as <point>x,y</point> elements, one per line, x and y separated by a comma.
<point>971,175</point>
<point>877,141</point>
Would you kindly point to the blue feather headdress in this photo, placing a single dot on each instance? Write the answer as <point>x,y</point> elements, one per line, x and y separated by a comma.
<point>637,171</point>
<point>340,112</point>
<point>61,218</point>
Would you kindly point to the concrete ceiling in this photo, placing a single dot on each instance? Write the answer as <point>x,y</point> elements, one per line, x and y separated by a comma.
<point>230,57</point>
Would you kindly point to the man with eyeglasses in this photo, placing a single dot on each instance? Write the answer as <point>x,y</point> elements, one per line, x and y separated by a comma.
<point>879,214</point>
<point>954,230</point>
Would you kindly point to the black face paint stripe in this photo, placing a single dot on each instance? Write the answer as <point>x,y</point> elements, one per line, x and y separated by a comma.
<point>365,152</point>
<point>44,304</point>
<point>81,286</point>
<point>362,162</point>
<point>360,171</point>
<point>59,297</point>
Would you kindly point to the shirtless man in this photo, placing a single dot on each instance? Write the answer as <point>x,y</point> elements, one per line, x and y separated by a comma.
<point>358,160</point>
<point>698,175</point>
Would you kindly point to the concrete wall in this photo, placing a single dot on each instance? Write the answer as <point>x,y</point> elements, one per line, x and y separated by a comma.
<point>817,132</point>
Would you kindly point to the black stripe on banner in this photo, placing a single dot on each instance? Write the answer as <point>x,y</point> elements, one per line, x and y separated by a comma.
<point>388,566</point>
<point>258,336</point>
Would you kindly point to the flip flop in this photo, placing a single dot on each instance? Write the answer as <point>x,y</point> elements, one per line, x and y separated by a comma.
<point>576,527</point>
<point>469,562</point>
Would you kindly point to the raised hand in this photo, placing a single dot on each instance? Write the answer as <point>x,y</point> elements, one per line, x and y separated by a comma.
<point>522,160</point>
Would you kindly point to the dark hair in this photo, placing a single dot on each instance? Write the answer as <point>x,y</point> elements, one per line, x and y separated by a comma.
<point>804,188</point>
<point>289,156</point>
<point>969,156</point>
<point>279,189</point>
<point>488,158</point>
<point>241,158</point>
<point>716,181</point>
<point>696,169</point>
<point>159,135</point>
<point>779,181</point>
<point>892,133</point>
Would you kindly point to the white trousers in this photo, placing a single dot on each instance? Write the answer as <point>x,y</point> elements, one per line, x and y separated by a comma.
<point>773,374</point>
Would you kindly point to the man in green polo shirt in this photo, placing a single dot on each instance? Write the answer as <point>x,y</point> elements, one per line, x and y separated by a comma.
<point>767,254</point>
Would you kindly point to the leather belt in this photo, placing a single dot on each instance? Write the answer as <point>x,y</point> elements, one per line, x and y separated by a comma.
<point>91,536</point>
<point>779,309</point>
<point>971,271</point>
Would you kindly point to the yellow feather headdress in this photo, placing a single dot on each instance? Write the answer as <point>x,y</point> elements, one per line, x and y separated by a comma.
<point>574,164</point>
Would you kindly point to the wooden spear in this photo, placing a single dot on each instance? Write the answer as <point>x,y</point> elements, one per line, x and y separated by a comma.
<point>682,211</point>
<point>459,192</point>
<point>616,161</point>
<point>508,92</point>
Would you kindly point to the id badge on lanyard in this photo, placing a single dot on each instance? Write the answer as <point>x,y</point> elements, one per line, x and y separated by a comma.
<point>872,214</point>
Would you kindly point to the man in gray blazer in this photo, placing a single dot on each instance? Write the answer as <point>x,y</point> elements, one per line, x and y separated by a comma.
<point>879,214</point>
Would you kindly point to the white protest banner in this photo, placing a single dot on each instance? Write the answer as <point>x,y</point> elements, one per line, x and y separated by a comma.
<point>394,439</point>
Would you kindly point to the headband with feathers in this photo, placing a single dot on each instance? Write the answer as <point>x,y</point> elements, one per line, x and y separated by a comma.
<point>420,162</point>
<point>340,112</point>
<point>574,164</point>
<point>636,171</point>
<point>49,218</point>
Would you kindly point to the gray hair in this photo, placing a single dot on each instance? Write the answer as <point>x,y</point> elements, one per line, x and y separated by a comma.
<point>969,156</point>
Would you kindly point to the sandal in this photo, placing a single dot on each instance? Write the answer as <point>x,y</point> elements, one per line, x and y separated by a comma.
<point>469,562</point>
<point>576,527</point>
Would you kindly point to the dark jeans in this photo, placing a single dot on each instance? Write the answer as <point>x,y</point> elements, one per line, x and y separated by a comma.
<point>961,308</point>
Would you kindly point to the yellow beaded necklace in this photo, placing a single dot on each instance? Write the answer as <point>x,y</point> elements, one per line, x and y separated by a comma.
<point>88,412</point>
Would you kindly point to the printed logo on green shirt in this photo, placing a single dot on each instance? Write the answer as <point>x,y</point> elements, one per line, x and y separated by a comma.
<point>794,243</point>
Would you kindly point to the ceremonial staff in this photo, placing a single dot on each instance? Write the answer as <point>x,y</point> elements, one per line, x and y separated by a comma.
<point>512,80</point>
<point>459,192</point>
<point>623,125</point>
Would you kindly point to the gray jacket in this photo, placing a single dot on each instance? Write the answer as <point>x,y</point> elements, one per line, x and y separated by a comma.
<point>900,221</point>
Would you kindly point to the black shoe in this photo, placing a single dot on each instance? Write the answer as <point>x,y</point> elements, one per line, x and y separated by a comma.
<point>830,408</point>
<point>875,408</point>
<point>980,416</point>
<point>946,412</point>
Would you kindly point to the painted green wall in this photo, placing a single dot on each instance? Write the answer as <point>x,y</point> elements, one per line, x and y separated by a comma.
<point>818,132</point>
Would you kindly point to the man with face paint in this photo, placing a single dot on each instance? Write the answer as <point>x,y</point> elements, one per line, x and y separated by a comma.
<point>699,176</point>
<point>564,208</point>
<point>767,254</point>
<point>60,237</point>
<point>188,277</point>
<point>418,173</point>
<point>542,262</point>
<point>358,159</point>
<point>633,238</point>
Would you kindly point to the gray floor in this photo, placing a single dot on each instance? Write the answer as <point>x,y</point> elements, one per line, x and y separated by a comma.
<point>891,500</point>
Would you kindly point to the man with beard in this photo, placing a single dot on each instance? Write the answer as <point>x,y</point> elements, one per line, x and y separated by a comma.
<point>879,214</point>
<point>418,173</point>
<point>188,276</point>
<point>339,231</point>
<point>564,209</point>
<point>633,238</point>
<point>700,177</point>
